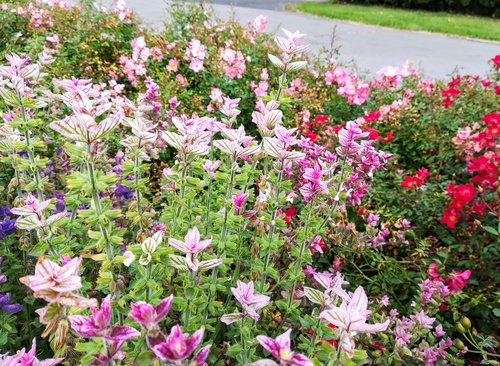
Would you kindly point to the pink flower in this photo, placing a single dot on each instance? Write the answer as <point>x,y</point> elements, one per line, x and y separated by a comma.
<point>173,65</point>
<point>216,94</point>
<point>27,359</point>
<point>191,244</point>
<point>250,302</point>
<point>196,65</point>
<point>238,201</point>
<point>97,324</point>
<point>176,347</point>
<point>351,316</point>
<point>148,316</point>
<point>52,282</point>
<point>457,280</point>
<point>280,348</point>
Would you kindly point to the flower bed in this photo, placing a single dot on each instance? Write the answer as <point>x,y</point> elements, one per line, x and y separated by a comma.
<point>211,195</point>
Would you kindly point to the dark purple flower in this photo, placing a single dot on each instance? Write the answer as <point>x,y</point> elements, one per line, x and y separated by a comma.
<point>60,203</point>
<point>124,192</point>
<point>5,306</point>
<point>4,212</point>
<point>7,227</point>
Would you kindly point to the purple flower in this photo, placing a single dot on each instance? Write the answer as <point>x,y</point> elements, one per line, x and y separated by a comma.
<point>5,306</point>
<point>97,324</point>
<point>123,191</point>
<point>280,348</point>
<point>7,227</point>
<point>176,347</point>
<point>4,212</point>
<point>238,201</point>
<point>148,316</point>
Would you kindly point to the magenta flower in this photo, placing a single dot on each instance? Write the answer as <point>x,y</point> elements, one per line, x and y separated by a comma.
<point>176,347</point>
<point>200,358</point>
<point>280,348</point>
<point>97,324</point>
<point>27,359</point>
<point>457,280</point>
<point>238,201</point>
<point>148,316</point>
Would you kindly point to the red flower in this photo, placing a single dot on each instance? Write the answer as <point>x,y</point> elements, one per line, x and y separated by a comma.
<point>492,118</point>
<point>478,208</point>
<point>447,102</point>
<point>422,174</point>
<point>480,164</point>
<point>371,116</point>
<point>496,61</point>
<point>457,204</point>
<point>486,83</point>
<point>450,92</point>
<point>497,89</point>
<point>373,133</point>
<point>289,214</point>
<point>450,218</point>
<point>462,192</point>
<point>320,119</point>
<point>378,345</point>
<point>457,280</point>
<point>311,135</point>
<point>410,182</point>
<point>455,81</point>
<point>494,130</point>
<point>389,137</point>
<point>337,128</point>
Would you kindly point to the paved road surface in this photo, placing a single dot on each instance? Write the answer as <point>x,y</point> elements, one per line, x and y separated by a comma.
<point>371,47</point>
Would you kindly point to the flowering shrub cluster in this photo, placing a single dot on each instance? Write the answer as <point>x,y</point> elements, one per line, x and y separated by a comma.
<point>209,196</point>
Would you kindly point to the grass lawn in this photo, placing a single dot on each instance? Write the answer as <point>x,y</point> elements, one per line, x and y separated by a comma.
<point>460,25</point>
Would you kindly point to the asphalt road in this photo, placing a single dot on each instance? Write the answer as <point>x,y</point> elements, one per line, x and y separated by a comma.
<point>258,4</point>
<point>369,47</point>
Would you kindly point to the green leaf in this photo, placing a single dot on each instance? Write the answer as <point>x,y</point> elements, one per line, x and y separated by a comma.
<point>490,230</point>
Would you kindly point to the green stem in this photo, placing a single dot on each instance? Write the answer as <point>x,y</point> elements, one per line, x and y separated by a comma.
<point>298,262</point>
<point>207,205</point>
<point>271,230</point>
<point>148,277</point>
<point>222,238</point>
<point>137,174</point>
<point>97,205</point>
<point>31,154</point>
<point>312,345</point>
<point>187,314</point>
<point>182,192</point>
<point>242,339</point>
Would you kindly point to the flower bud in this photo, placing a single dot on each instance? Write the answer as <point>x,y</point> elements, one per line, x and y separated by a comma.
<point>459,344</point>
<point>466,323</point>
<point>460,328</point>
<point>62,330</point>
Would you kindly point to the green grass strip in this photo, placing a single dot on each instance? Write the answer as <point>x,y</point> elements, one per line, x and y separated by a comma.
<point>459,25</point>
